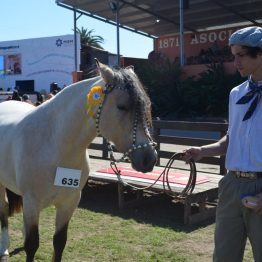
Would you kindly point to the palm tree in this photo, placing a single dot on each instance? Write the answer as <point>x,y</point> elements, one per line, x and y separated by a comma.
<point>87,38</point>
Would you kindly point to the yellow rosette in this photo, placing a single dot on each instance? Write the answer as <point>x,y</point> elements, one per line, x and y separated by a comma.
<point>94,98</point>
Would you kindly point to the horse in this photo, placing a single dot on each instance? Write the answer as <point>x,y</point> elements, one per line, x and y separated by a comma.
<point>44,159</point>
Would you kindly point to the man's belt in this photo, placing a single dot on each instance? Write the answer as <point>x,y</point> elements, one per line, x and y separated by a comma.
<point>249,175</point>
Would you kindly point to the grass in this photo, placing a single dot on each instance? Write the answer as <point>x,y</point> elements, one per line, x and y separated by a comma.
<point>100,232</point>
<point>100,237</point>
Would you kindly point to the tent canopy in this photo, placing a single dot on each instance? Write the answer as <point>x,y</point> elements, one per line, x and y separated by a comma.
<point>155,18</point>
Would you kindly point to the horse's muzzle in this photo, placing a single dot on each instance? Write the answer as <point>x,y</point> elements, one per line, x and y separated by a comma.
<point>144,160</point>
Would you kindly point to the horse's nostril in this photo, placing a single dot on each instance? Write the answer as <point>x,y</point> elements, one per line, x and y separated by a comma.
<point>149,162</point>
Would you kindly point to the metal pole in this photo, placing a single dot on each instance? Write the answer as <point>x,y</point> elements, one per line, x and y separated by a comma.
<point>75,40</point>
<point>117,32</point>
<point>182,60</point>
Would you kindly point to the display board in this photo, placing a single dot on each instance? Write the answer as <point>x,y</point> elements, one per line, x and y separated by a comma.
<point>44,60</point>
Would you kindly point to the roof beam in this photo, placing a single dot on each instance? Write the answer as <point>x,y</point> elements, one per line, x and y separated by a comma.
<point>157,15</point>
<point>231,10</point>
<point>104,20</point>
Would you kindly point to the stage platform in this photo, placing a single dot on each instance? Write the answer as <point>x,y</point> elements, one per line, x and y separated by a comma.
<point>204,195</point>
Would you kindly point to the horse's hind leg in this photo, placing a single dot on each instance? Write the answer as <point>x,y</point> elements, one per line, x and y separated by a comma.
<point>31,222</point>
<point>4,213</point>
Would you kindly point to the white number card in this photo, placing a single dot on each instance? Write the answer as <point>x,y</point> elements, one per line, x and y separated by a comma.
<point>67,177</point>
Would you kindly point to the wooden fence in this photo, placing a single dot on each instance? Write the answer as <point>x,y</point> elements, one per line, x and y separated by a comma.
<point>178,134</point>
<point>172,137</point>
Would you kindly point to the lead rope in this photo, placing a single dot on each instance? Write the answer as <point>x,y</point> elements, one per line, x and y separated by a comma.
<point>166,184</point>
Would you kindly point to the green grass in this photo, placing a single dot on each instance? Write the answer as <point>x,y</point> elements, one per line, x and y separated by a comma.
<point>100,237</point>
<point>100,232</point>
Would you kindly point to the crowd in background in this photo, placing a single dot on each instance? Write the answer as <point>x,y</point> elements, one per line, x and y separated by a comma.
<point>38,97</point>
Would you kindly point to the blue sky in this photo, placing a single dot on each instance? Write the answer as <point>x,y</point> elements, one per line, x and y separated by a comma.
<point>22,19</point>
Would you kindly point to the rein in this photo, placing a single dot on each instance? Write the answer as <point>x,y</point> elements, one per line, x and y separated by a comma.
<point>166,184</point>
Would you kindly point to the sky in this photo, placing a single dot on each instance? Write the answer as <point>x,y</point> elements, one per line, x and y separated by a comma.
<point>23,19</point>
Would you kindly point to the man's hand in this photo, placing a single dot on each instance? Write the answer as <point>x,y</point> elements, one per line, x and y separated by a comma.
<point>194,153</point>
<point>258,208</point>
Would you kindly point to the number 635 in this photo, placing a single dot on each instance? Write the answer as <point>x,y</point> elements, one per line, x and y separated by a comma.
<point>70,182</point>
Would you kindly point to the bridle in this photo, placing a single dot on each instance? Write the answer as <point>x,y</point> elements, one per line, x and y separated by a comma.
<point>108,89</point>
<point>176,156</point>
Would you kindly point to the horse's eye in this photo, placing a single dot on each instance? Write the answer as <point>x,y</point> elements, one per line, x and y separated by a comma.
<point>122,108</point>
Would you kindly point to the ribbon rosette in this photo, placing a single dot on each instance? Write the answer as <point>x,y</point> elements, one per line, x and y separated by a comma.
<point>94,98</point>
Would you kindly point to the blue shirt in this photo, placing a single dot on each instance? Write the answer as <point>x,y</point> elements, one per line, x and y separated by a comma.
<point>244,152</point>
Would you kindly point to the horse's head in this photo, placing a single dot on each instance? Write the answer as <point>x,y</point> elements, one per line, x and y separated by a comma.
<point>126,116</point>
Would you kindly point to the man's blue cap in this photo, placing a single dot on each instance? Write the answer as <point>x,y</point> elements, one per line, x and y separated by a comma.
<point>249,36</point>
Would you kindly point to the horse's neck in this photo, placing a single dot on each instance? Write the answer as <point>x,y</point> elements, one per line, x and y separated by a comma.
<point>73,127</point>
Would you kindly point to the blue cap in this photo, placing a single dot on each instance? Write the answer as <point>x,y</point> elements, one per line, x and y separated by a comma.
<point>249,36</point>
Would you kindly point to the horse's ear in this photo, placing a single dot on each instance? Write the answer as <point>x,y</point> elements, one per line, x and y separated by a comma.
<point>106,72</point>
<point>131,68</point>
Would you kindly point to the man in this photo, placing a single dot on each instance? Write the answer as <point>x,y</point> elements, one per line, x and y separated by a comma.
<point>243,148</point>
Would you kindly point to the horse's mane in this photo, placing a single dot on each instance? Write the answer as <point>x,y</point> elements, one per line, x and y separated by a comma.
<point>140,100</point>
<point>127,80</point>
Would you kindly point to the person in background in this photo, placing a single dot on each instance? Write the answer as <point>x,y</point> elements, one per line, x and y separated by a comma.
<point>26,99</point>
<point>39,99</point>
<point>243,148</point>
<point>52,94</point>
<point>17,68</point>
<point>15,96</point>
<point>8,98</point>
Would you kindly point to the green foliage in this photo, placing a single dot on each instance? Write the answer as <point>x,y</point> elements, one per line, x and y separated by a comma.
<point>162,83</point>
<point>175,98</point>
<point>87,38</point>
<point>207,96</point>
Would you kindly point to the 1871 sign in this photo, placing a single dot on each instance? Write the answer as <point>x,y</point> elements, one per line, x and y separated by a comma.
<point>169,45</point>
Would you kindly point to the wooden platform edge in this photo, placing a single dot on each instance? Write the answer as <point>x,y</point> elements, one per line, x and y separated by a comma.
<point>205,211</point>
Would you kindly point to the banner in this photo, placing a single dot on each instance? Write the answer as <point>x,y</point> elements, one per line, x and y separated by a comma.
<point>44,60</point>
<point>194,43</point>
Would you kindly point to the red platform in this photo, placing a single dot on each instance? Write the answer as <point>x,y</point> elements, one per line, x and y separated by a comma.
<point>173,177</point>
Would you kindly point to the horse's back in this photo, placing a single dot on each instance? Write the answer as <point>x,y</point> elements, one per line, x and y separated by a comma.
<point>13,111</point>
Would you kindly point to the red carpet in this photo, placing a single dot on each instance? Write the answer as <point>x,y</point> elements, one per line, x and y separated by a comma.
<point>173,177</point>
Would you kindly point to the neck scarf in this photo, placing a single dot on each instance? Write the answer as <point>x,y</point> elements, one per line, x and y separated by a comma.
<point>254,91</point>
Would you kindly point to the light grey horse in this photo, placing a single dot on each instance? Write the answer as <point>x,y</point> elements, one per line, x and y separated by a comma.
<point>44,160</point>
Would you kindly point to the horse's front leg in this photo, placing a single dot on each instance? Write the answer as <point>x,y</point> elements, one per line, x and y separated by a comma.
<point>59,242</point>
<point>4,213</point>
<point>31,222</point>
<point>64,212</point>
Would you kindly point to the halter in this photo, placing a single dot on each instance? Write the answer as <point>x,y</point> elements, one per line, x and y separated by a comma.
<point>166,185</point>
<point>134,147</point>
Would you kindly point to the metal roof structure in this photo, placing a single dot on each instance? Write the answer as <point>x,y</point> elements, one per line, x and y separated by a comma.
<point>155,18</point>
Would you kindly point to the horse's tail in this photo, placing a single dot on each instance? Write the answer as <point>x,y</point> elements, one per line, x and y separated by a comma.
<point>15,202</point>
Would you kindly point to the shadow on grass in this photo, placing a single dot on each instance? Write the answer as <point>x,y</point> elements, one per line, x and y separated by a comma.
<point>16,251</point>
<point>157,209</point>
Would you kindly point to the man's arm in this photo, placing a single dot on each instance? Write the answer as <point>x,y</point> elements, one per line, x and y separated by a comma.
<point>215,149</point>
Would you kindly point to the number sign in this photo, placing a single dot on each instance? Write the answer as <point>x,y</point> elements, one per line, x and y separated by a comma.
<point>66,177</point>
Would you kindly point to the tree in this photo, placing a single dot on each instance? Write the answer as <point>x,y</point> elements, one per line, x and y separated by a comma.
<point>175,97</point>
<point>87,38</point>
